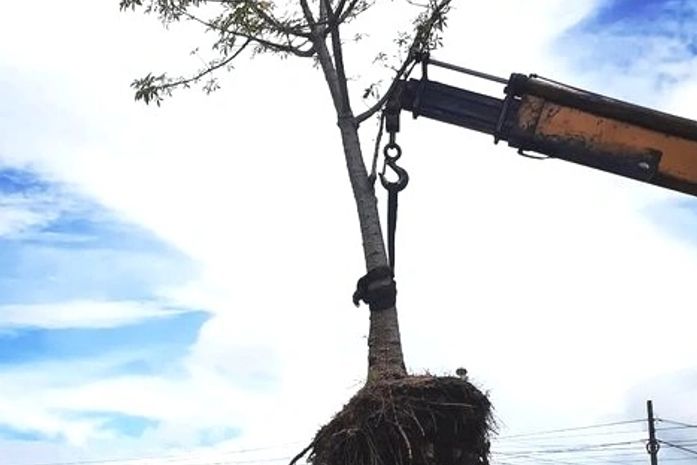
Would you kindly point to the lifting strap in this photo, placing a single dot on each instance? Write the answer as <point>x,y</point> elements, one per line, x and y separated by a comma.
<point>393,188</point>
<point>378,288</point>
<point>392,152</point>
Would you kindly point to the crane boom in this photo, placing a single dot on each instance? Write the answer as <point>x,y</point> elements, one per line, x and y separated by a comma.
<point>560,121</point>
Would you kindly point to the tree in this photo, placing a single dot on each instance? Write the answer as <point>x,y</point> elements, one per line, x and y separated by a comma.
<point>312,30</point>
<point>255,24</point>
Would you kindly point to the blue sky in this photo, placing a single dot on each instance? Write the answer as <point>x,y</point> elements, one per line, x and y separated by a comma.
<point>64,247</point>
<point>62,255</point>
<point>677,218</point>
<point>57,246</point>
<point>639,14</point>
<point>670,18</point>
<point>640,50</point>
<point>650,42</point>
<point>165,337</point>
<point>180,277</point>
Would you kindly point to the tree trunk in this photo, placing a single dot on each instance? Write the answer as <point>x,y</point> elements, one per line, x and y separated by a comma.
<point>385,358</point>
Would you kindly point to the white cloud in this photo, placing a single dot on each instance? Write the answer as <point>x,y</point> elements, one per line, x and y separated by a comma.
<point>646,60</point>
<point>540,278</point>
<point>81,314</point>
<point>18,219</point>
<point>21,212</point>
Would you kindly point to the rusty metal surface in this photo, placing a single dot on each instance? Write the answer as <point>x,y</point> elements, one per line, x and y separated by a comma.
<point>601,105</point>
<point>529,113</point>
<point>570,124</point>
<point>605,143</point>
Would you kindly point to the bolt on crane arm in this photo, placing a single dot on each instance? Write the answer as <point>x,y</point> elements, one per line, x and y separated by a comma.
<point>556,120</point>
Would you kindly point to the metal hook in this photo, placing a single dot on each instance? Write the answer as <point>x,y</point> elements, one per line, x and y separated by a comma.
<point>402,178</point>
<point>392,145</point>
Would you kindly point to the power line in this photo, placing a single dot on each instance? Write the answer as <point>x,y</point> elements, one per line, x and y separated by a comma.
<point>517,438</point>
<point>682,448</point>
<point>685,441</point>
<point>568,444</point>
<point>620,459</point>
<point>587,447</point>
<point>573,459</point>
<point>240,462</point>
<point>173,457</point>
<point>577,428</point>
<point>673,428</point>
<point>550,461</point>
<point>626,461</point>
<point>607,454</point>
<point>585,451</point>
<point>638,453</point>
<point>532,457</point>
<point>554,461</point>
<point>193,461</point>
<point>679,423</point>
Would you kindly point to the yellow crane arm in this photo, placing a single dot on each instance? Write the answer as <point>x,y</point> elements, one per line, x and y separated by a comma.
<point>560,121</point>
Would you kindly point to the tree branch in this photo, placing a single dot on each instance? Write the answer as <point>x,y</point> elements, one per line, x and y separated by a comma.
<point>330,74</point>
<point>338,59</point>
<point>344,15</point>
<point>288,48</point>
<point>323,7</point>
<point>272,20</point>
<point>324,57</point>
<point>148,91</point>
<point>301,453</point>
<point>418,45</point>
<point>308,15</point>
<point>380,103</point>
<point>339,7</point>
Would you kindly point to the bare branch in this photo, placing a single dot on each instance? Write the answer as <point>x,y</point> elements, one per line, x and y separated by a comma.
<point>167,10</point>
<point>323,16</point>
<point>287,48</point>
<point>339,7</point>
<point>324,57</point>
<point>411,60</point>
<point>308,15</point>
<point>338,58</point>
<point>302,453</point>
<point>147,90</point>
<point>422,43</point>
<point>345,14</point>
<point>276,23</point>
<point>325,61</point>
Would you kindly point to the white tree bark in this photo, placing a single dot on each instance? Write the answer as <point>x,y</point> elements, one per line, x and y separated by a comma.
<point>385,357</point>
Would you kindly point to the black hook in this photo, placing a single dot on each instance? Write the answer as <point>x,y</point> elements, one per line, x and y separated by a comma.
<point>392,146</point>
<point>402,177</point>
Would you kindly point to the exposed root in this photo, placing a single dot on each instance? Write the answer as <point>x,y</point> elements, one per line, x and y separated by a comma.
<point>302,453</point>
<point>416,420</point>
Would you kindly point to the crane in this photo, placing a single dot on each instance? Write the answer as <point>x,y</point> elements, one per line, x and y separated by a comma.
<point>560,121</point>
<point>537,115</point>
